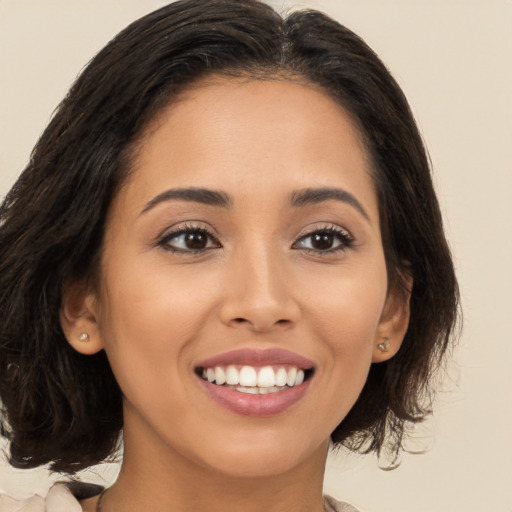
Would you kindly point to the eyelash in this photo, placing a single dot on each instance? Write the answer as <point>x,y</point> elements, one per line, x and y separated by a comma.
<point>165,240</point>
<point>344,237</point>
<point>346,240</point>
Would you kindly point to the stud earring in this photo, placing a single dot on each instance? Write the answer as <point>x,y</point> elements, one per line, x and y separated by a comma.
<point>384,346</point>
<point>83,336</point>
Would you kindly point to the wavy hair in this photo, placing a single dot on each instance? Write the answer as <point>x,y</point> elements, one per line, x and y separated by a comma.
<point>65,408</point>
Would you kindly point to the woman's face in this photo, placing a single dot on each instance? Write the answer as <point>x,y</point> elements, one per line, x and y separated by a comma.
<point>245,245</point>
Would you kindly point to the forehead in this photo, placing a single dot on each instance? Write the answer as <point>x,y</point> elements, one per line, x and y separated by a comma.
<point>249,136</point>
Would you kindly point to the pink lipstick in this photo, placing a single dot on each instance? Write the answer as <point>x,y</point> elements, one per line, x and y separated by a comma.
<point>256,382</point>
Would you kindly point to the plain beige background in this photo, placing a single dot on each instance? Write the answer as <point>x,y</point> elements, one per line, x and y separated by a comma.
<point>453,59</point>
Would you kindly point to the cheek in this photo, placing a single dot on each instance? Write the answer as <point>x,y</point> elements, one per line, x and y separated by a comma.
<point>346,306</point>
<point>152,300</point>
<point>344,312</point>
<point>346,320</point>
<point>147,322</point>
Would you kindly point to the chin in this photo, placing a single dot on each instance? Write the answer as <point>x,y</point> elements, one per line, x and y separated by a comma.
<point>266,458</point>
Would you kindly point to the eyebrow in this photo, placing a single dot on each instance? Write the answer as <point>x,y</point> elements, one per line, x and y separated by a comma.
<point>299,198</point>
<point>192,194</point>
<point>310,196</point>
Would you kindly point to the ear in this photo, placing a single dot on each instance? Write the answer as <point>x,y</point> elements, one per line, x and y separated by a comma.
<point>79,314</point>
<point>393,322</point>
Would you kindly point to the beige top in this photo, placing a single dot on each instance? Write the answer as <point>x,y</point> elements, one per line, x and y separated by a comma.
<point>60,499</point>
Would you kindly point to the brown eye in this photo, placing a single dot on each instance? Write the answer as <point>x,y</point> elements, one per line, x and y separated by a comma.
<point>325,240</point>
<point>189,240</point>
<point>322,241</point>
<point>196,241</point>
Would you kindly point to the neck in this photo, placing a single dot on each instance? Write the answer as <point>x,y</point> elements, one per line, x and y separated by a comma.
<point>159,479</point>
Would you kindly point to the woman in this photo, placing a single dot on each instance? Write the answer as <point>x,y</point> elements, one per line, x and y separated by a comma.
<point>227,246</point>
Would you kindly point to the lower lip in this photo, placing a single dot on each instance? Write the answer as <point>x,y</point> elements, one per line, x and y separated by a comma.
<point>247,404</point>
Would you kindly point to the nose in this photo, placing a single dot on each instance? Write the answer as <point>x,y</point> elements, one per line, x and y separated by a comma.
<point>258,294</point>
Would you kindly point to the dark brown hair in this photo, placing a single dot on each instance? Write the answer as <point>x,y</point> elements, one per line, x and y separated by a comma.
<point>64,408</point>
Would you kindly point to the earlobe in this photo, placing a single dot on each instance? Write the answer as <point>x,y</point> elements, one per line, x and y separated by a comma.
<point>79,319</point>
<point>393,323</point>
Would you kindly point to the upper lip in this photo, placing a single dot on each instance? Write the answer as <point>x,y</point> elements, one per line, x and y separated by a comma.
<point>255,357</point>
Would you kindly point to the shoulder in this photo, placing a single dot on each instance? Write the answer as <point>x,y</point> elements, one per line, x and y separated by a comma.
<point>337,506</point>
<point>60,498</point>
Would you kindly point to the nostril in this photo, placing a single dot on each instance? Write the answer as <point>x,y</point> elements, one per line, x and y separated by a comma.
<point>260,324</point>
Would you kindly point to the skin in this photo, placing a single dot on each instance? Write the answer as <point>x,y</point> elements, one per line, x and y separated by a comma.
<point>260,284</point>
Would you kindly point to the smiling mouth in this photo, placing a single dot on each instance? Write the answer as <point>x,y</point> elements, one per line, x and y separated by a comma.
<point>255,379</point>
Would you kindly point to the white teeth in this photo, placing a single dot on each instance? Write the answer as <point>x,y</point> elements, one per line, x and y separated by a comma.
<point>272,389</point>
<point>281,377</point>
<point>220,376</point>
<point>292,373</point>
<point>256,390</point>
<point>250,390</point>
<point>232,376</point>
<point>248,376</point>
<point>266,377</point>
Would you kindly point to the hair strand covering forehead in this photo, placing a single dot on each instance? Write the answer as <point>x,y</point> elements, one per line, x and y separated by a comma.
<point>64,408</point>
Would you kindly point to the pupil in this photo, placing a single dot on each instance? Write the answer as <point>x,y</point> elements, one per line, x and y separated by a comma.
<point>196,241</point>
<point>323,241</point>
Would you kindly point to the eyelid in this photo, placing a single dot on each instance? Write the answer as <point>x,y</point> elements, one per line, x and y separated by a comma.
<point>188,225</point>
<point>182,228</point>
<point>324,226</point>
<point>347,239</point>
